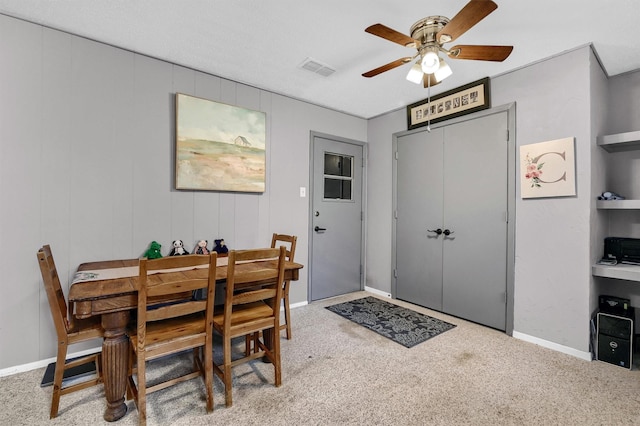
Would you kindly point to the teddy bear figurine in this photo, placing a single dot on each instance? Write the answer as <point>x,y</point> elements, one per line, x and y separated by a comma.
<point>153,252</point>
<point>220,246</point>
<point>202,247</point>
<point>178,249</point>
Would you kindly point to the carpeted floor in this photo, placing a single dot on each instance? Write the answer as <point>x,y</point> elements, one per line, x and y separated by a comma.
<point>336,372</point>
<point>402,325</point>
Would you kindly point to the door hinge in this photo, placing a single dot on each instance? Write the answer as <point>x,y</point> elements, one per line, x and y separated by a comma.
<point>395,273</point>
<point>507,135</point>
<point>396,155</point>
<point>395,214</point>
<point>361,270</point>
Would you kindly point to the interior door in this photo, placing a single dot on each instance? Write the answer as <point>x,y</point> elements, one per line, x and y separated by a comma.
<point>337,218</point>
<point>419,216</point>
<point>475,211</point>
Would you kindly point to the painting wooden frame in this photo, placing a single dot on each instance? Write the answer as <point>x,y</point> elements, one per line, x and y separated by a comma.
<point>462,100</point>
<point>219,147</point>
<point>548,169</point>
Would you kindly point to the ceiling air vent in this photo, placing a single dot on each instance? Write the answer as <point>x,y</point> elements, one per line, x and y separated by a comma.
<point>317,67</point>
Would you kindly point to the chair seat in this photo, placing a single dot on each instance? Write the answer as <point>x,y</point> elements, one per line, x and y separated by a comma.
<point>162,334</point>
<point>244,314</point>
<point>84,329</point>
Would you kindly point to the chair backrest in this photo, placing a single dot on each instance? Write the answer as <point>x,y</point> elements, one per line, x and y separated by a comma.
<point>289,241</point>
<point>259,277</point>
<point>55,295</point>
<point>165,292</point>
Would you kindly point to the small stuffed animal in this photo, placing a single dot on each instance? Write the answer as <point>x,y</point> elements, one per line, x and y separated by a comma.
<point>202,247</point>
<point>220,246</point>
<point>178,249</point>
<point>608,195</point>
<point>153,252</point>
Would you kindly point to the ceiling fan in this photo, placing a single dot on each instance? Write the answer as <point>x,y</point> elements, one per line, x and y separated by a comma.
<point>428,36</point>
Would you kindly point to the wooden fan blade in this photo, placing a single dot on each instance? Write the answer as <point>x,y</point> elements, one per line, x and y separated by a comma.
<point>387,67</point>
<point>474,12</point>
<point>425,80</point>
<point>480,52</point>
<point>391,35</point>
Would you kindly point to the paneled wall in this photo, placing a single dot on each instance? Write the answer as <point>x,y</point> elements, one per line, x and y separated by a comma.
<point>87,165</point>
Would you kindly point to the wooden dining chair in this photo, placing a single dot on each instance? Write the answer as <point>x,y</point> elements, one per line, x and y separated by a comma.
<point>249,312</point>
<point>69,331</point>
<point>290,242</point>
<point>171,320</point>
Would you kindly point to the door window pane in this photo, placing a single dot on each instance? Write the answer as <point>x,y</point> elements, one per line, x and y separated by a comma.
<point>337,176</point>
<point>337,165</point>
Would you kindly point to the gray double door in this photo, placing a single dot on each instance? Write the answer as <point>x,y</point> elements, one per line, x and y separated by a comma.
<point>451,219</point>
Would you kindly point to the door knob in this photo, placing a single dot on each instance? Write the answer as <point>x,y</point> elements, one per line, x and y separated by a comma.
<point>438,231</point>
<point>318,229</point>
<point>447,232</point>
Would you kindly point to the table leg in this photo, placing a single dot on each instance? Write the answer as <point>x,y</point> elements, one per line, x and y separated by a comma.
<point>115,358</point>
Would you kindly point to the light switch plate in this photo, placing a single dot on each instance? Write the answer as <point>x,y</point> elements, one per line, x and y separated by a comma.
<point>303,192</point>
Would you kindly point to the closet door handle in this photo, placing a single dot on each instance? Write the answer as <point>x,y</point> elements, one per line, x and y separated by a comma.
<point>437,231</point>
<point>318,229</point>
<point>447,232</point>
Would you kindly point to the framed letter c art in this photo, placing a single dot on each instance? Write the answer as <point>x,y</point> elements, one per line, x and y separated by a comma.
<point>547,169</point>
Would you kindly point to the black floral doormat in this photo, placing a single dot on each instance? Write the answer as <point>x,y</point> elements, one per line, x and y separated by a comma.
<point>399,324</point>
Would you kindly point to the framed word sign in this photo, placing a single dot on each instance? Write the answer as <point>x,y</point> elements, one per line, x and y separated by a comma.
<point>463,100</point>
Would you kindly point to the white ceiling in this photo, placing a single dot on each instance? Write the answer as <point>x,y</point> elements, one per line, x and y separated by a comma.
<point>262,43</point>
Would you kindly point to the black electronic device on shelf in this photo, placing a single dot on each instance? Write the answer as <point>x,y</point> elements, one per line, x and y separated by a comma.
<point>623,250</point>
<point>615,306</point>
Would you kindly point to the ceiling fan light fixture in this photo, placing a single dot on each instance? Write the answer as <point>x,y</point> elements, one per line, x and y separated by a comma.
<point>415,74</point>
<point>443,71</point>
<point>430,62</point>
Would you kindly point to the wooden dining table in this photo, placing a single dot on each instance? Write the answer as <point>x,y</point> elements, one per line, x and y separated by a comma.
<point>112,296</point>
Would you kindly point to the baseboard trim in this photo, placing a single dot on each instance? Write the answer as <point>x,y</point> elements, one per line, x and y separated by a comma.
<point>377,292</point>
<point>43,362</point>
<point>298,305</point>
<point>554,346</point>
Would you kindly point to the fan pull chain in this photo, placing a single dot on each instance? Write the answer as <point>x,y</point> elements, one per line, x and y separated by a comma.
<point>428,103</point>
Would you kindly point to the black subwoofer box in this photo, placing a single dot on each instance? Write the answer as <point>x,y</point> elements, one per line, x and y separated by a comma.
<point>615,339</point>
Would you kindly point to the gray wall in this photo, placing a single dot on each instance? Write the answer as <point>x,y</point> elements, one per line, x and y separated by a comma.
<point>87,162</point>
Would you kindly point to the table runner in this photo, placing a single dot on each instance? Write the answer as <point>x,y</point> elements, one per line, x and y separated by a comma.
<point>130,271</point>
<point>133,271</point>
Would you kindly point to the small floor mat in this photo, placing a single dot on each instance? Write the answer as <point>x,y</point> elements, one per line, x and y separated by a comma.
<point>399,324</point>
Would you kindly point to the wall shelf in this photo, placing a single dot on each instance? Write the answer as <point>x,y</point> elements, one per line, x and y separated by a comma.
<point>620,271</point>
<point>618,204</point>
<point>616,143</point>
<point>620,141</point>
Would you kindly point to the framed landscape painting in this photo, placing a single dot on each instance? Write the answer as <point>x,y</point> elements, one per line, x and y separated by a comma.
<point>219,147</point>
